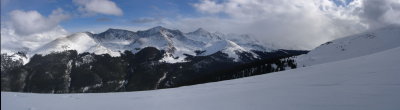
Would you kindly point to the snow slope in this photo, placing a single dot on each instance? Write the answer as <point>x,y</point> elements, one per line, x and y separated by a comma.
<point>353,46</point>
<point>369,82</point>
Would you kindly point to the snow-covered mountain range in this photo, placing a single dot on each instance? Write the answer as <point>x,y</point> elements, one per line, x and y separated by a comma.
<point>355,72</point>
<point>120,60</point>
<point>176,43</point>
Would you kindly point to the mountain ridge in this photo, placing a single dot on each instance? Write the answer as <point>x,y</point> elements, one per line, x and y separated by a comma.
<point>120,60</point>
<point>174,42</point>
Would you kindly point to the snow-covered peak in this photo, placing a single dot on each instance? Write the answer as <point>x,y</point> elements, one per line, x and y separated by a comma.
<point>203,36</point>
<point>248,42</point>
<point>117,31</point>
<point>353,46</point>
<point>175,43</point>
<point>113,30</point>
<point>115,34</point>
<point>161,33</point>
<point>156,29</point>
<point>225,46</point>
<point>200,31</point>
<point>80,42</point>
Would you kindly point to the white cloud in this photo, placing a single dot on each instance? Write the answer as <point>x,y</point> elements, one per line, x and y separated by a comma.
<point>28,30</point>
<point>106,7</point>
<point>380,12</point>
<point>13,42</point>
<point>297,24</point>
<point>208,6</point>
<point>30,22</point>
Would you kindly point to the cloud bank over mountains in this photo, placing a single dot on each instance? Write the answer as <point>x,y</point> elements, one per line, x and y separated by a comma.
<point>289,24</point>
<point>27,30</point>
<point>295,23</point>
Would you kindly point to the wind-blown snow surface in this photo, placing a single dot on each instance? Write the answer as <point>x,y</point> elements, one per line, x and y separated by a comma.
<point>353,46</point>
<point>370,82</point>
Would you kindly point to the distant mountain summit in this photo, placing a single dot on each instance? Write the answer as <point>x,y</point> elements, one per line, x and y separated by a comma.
<point>176,43</point>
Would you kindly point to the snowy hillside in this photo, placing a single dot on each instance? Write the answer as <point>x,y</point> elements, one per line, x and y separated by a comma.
<point>369,82</point>
<point>353,46</point>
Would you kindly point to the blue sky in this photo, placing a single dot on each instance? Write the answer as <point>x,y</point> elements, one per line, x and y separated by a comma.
<point>134,11</point>
<point>291,24</point>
